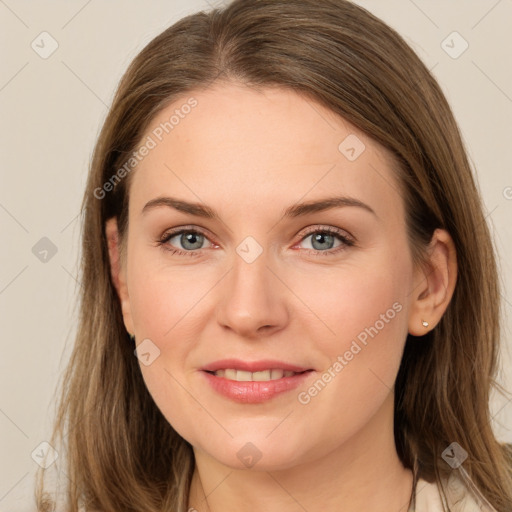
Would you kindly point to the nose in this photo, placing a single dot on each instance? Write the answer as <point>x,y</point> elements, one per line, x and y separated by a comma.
<point>253,299</point>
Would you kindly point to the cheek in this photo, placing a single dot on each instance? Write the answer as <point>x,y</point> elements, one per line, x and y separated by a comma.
<point>165,305</point>
<point>367,313</point>
<point>163,298</point>
<point>159,309</point>
<point>360,301</point>
<point>155,305</point>
<point>361,328</point>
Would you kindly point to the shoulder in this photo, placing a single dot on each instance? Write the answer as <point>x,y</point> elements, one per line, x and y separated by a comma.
<point>459,498</point>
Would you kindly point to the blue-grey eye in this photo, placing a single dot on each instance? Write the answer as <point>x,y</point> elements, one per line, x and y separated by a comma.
<point>322,241</point>
<point>189,240</point>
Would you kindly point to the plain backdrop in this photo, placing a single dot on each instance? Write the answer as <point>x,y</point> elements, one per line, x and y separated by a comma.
<point>52,106</point>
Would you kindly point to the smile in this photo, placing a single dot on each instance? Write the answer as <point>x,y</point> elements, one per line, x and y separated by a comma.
<point>261,376</point>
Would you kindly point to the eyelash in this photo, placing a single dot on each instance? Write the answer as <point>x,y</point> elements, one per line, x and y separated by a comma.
<point>346,242</point>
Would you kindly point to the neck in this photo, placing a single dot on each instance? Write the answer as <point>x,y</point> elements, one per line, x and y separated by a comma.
<point>363,473</point>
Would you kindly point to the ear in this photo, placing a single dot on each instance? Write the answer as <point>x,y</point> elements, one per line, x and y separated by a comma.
<point>118,272</point>
<point>433,285</point>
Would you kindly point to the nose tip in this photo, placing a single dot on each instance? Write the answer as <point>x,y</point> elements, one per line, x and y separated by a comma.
<point>240,320</point>
<point>252,303</point>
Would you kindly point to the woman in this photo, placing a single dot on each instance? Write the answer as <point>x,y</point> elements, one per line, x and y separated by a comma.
<point>225,358</point>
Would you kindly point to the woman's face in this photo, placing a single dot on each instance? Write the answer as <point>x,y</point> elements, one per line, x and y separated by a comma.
<point>256,179</point>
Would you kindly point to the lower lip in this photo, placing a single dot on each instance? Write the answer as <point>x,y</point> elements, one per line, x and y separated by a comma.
<point>254,392</point>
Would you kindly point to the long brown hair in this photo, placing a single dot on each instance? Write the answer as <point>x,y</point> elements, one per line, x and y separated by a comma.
<point>121,452</point>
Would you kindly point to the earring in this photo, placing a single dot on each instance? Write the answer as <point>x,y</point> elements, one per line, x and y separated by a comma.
<point>132,336</point>
<point>425,324</point>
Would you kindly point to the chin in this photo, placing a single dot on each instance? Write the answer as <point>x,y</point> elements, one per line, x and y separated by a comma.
<point>260,454</point>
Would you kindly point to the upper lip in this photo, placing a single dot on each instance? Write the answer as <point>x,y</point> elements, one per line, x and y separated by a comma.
<point>252,366</point>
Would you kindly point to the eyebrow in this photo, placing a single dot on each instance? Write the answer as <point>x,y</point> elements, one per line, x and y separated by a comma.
<point>296,210</point>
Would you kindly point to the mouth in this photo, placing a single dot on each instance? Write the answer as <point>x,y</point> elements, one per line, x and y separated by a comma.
<point>254,382</point>
<point>260,376</point>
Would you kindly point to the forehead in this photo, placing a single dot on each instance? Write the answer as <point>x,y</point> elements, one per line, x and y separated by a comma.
<point>231,143</point>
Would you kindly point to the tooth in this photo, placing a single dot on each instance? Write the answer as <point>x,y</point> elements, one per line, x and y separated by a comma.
<point>263,375</point>
<point>242,376</point>
<point>276,374</point>
<point>230,374</point>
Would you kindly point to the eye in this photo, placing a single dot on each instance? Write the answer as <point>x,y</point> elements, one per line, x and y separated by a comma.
<point>326,241</point>
<point>184,241</point>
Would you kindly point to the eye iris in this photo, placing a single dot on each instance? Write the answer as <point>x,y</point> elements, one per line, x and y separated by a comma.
<point>191,238</point>
<point>322,238</point>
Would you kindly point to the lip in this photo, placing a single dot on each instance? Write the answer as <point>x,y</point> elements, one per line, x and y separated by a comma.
<point>253,366</point>
<point>253,392</point>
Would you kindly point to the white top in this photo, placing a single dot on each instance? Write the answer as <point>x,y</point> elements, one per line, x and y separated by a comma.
<point>459,498</point>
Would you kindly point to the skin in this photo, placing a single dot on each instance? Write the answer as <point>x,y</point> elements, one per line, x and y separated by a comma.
<point>249,155</point>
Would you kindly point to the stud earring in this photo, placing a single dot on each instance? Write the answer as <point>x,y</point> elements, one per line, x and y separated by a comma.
<point>424,323</point>
<point>132,336</point>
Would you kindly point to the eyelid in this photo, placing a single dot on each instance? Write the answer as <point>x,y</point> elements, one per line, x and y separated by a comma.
<point>171,233</point>
<point>318,228</point>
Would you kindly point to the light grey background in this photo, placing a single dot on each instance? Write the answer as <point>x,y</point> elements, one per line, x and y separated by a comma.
<point>52,109</point>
